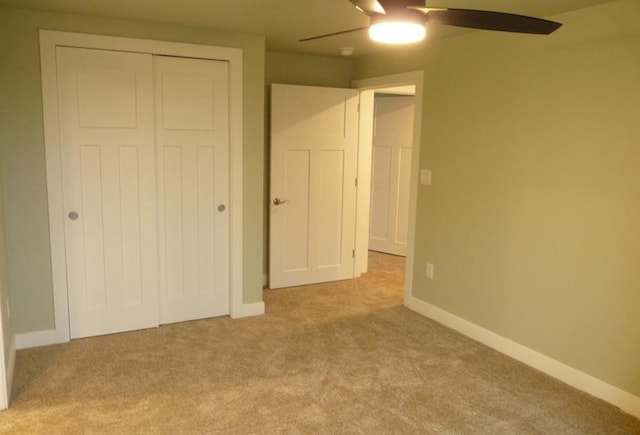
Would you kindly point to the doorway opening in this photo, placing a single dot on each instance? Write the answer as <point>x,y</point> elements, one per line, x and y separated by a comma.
<point>295,231</point>
<point>391,156</point>
<point>407,84</point>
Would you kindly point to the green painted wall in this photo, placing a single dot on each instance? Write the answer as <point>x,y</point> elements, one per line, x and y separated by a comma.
<point>300,69</point>
<point>297,69</point>
<point>533,220</point>
<point>24,157</point>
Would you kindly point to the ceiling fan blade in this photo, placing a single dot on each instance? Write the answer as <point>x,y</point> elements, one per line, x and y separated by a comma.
<point>326,35</point>
<point>369,7</point>
<point>395,5</point>
<point>375,7</point>
<point>488,20</point>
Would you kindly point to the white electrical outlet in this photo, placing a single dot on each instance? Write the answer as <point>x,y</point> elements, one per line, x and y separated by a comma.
<point>425,177</point>
<point>429,270</point>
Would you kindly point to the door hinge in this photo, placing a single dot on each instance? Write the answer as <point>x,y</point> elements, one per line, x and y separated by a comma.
<point>356,182</point>
<point>353,253</point>
<point>358,109</point>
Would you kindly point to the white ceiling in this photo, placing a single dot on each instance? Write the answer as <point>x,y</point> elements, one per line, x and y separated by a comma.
<point>284,22</point>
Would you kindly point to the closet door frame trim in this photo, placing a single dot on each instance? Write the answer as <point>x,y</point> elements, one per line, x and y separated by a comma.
<point>49,40</point>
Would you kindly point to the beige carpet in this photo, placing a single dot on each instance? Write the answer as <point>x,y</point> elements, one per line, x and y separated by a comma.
<point>335,358</point>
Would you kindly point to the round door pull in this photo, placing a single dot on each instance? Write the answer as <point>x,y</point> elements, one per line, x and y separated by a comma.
<point>73,215</point>
<point>221,208</point>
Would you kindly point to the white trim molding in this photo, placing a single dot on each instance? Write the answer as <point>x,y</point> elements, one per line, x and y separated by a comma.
<point>556,369</point>
<point>49,40</point>
<point>11,366</point>
<point>250,310</point>
<point>37,338</point>
<point>6,376</point>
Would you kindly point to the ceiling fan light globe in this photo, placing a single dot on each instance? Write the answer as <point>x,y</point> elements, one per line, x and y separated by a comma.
<point>397,32</point>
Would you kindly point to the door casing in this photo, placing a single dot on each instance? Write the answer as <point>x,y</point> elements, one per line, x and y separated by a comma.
<point>49,40</point>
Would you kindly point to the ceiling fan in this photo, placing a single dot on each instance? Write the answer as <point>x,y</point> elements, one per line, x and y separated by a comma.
<point>404,21</point>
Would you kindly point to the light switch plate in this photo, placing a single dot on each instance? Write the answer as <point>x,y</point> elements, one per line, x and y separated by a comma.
<point>425,177</point>
<point>429,270</point>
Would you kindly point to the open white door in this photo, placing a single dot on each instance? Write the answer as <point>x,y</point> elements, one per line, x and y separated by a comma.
<point>390,175</point>
<point>314,133</point>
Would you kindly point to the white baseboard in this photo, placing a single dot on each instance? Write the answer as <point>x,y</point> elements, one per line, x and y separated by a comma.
<point>37,338</point>
<point>11,365</point>
<point>567,374</point>
<point>249,310</point>
<point>4,395</point>
<point>51,336</point>
<point>5,383</point>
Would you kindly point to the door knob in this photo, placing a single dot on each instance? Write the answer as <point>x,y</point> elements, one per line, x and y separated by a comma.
<point>279,201</point>
<point>73,215</point>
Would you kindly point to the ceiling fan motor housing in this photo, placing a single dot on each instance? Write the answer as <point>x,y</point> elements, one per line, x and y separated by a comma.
<point>398,27</point>
<point>400,15</point>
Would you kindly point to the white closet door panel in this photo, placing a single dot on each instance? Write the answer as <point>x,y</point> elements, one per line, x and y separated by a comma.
<point>93,229</point>
<point>99,84</point>
<point>172,223</point>
<point>106,132</point>
<point>206,229</point>
<point>130,225</point>
<point>193,145</point>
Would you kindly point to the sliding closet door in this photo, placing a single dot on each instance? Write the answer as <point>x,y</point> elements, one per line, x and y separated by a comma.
<point>192,136</point>
<point>108,165</point>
